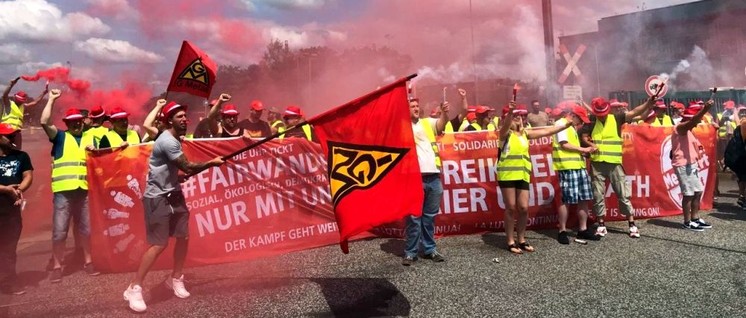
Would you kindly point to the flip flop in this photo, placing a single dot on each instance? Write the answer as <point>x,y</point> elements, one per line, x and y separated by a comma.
<point>515,249</point>
<point>526,247</point>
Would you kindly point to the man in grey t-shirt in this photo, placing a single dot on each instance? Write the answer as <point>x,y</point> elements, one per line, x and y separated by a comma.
<point>165,208</point>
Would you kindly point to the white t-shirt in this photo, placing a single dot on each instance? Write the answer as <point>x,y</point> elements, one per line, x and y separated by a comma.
<point>562,135</point>
<point>425,153</point>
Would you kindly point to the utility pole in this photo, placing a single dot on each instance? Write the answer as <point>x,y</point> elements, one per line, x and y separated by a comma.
<point>551,86</point>
<point>473,62</point>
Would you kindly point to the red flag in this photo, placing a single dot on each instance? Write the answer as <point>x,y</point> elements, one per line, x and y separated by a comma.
<point>374,174</point>
<point>194,72</point>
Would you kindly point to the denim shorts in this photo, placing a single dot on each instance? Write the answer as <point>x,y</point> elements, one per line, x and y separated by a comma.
<point>70,204</point>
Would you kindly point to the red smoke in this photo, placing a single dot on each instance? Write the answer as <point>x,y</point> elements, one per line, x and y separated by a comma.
<point>60,75</point>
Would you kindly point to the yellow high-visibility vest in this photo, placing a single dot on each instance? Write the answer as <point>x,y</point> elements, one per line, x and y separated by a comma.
<point>515,164</point>
<point>97,133</point>
<point>449,127</point>
<point>115,140</point>
<point>666,121</point>
<point>15,116</point>
<point>69,170</point>
<point>607,139</point>
<point>306,130</point>
<point>567,160</point>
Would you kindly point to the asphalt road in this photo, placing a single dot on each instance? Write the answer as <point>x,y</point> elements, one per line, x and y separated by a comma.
<point>669,272</point>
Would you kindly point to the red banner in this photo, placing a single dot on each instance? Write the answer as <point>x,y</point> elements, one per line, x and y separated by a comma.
<point>371,151</point>
<point>275,199</point>
<point>194,72</point>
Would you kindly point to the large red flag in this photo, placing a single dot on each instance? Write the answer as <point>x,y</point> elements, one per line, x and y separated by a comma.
<point>194,72</point>
<point>374,174</point>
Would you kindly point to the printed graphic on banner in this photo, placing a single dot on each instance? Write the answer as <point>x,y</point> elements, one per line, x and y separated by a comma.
<point>359,166</point>
<point>195,72</point>
<point>275,199</point>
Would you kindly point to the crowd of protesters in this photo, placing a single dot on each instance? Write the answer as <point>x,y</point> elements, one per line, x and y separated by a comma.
<point>587,152</point>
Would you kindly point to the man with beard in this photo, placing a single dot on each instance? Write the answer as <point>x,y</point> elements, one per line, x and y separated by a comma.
<point>15,178</point>
<point>166,212</point>
<point>537,117</point>
<point>119,135</point>
<point>254,125</point>
<point>69,184</point>
<point>483,120</point>
<point>13,109</point>
<point>293,116</point>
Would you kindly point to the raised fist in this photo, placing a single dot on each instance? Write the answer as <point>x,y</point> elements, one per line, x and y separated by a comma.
<point>55,93</point>
<point>160,103</point>
<point>462,92</point>
<point>225,97</point>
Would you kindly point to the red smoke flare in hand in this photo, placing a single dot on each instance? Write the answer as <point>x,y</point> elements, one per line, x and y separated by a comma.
<point>515,91</point>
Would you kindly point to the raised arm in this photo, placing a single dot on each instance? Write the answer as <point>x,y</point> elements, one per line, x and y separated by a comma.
<point>6,92</point>
<point>212,116</point>
<point>630,115</point>
<point>37,99</point>
<point>506,122</point>
<point>46,114</point>
<point>464,105</point>
<point>547,130</point>
<point>690,124</point>
<point>440,125</point>
<point>149,123</point>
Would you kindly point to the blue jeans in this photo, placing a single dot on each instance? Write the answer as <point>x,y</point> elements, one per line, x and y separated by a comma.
<point>67,204</point>
<point>423,228</point>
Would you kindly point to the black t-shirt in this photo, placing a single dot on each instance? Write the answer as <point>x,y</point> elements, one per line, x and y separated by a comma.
<point>12,167</point>
<point>105,143</point>
<point>258,129</point>
<point>301,133</point>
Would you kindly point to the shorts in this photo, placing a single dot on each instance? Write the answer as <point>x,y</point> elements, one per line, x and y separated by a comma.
<point>517,184</point>
<point>575,185</point>
<point>689,181</point>
<point>166,216</point>
<point>70,205</point>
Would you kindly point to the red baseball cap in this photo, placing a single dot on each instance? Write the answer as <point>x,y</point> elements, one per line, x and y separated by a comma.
<point>471,116</point>
<point>729,104</point>
<point>519,110</point>
<point>171,108</point>
<point>229,110</point>
<point>292,111</point>
<point>659,103</point>
<point>615,103</point>
<point>73,113</point>
<point>600,107</point>
<point>118,112</point>
<point>96,112</point>
<point>21,97</point>
<point>695,105</point>
<point>558,111</point>
<point>481,109</point>
<point>7,129</point>
<point>471,109</point>
<point>690,112</point>
<point>257,105</point>
<point>582,113</point>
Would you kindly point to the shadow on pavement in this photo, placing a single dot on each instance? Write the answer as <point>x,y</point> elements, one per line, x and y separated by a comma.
<point>394,247</point>
<point>31,278</point>
<point>362,297</point>
<point>665,223</point>
<point>730,213</point>
<point>496,240</point>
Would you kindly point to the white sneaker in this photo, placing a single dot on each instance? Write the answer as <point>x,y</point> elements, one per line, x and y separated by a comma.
<point>177,284</point>
<point>601,231</point>
<point>634,232</point>
<point>133,294</point>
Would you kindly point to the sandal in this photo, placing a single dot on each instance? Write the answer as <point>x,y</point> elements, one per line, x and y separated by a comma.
<point>526,247</point>
<point>515,249</point>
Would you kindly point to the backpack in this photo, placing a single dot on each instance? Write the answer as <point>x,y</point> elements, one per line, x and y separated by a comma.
<point>735,153</point>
